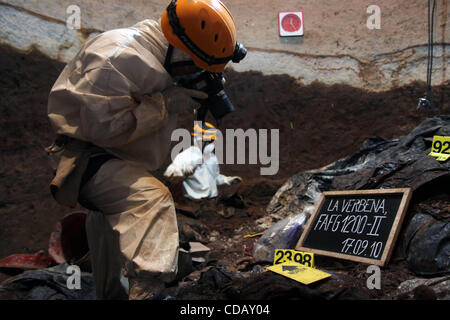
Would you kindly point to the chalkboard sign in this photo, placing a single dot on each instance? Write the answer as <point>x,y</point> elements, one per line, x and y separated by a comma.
<point>358,225</point>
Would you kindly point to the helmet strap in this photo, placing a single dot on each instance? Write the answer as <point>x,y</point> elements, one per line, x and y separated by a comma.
<point>169,54</point>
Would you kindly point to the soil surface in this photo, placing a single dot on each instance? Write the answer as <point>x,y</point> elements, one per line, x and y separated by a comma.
<point>317,125</point>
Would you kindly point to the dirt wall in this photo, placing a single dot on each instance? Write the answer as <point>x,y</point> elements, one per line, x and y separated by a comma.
<point>318,124</point>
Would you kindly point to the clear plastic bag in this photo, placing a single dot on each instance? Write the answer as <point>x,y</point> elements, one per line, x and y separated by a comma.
<point>282,235</point>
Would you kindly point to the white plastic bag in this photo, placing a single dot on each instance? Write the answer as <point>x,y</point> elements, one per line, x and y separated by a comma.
<point>201,172</point>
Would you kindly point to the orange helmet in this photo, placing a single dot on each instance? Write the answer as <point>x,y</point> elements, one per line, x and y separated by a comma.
<point>205,30</point>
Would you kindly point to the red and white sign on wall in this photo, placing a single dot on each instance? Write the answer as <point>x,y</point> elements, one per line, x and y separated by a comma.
<point>290,23</point>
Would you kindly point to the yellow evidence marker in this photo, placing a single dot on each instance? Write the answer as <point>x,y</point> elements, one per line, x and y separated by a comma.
<point>291,256</point>
<point>440,149</point>
<point>300,273</point>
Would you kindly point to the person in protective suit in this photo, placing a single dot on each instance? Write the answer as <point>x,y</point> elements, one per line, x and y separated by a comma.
<point>113,108</point>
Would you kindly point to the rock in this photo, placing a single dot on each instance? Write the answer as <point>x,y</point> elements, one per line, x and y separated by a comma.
<point>24,31</point>
<point>243,263</point>
<point>424,289</point>
<point>214,233</point>
<point>226,212</point>
<point>424,292</point>
<point>197,249</point>
<point>191,229</point>
<point>186,234</point>
<point>234,201</point>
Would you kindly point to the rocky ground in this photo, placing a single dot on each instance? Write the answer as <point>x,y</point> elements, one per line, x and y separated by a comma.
<point>318,125</point>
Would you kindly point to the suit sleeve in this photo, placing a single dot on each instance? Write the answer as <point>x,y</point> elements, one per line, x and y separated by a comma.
<point>117,104</point>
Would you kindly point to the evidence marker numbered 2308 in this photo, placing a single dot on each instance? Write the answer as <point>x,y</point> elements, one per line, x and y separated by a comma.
<point>357,225</point>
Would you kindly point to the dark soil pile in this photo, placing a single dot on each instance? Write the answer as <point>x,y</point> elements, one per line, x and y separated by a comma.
<point>318,124</point>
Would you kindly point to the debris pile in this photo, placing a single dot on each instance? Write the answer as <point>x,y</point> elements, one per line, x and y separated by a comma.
<point>231,225</point>
<point>422,250</point>
<point>423,247</point>
<point>381,164</point>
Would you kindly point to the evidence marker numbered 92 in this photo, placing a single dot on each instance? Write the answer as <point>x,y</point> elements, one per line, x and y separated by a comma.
<point>358,225</point>
<point>440,148</point>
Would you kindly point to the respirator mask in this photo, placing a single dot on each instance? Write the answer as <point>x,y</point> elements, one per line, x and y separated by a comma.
<point>217,103</point>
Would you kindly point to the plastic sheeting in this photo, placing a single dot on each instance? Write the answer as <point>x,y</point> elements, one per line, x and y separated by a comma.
<point>283,235</point>
<point>427,245</point>
<point>50,284</point>
<point>381,163</point>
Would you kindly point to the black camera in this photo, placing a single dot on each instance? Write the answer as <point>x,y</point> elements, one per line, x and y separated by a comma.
<point>211,83</point>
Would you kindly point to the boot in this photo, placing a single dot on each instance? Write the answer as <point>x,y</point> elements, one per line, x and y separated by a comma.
<point>145,288</point>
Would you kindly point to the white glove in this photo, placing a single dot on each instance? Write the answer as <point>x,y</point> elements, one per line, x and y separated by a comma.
<point>184,163</point>
<point>224,180</point>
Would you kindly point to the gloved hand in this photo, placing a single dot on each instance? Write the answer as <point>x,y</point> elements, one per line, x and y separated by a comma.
<point>179,173</point>
<point>180,100</point>
<point>184,164</point>
<point>228,181</point>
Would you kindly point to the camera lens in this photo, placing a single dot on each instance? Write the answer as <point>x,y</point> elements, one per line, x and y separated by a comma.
<point>220,105</point>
